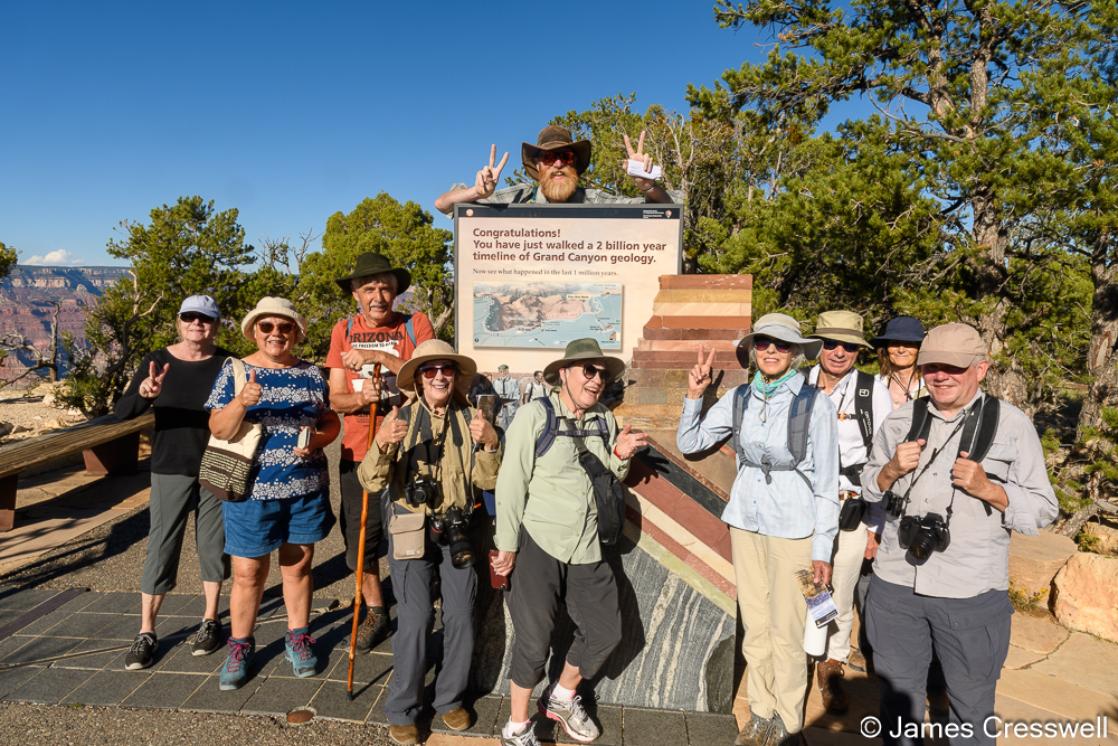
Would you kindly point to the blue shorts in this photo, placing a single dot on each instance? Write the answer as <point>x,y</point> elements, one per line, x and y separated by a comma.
<point>254,528</point>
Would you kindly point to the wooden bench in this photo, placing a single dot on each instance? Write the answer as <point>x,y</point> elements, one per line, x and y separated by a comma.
<point>108,444</point>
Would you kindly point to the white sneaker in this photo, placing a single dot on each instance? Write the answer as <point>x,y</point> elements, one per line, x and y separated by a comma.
<point>525,738</point>
<point>572,716</point>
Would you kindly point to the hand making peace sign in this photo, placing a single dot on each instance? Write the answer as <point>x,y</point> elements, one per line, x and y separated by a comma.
<point>153,384</point>
<point>700,376</point>
<point>486,180</point>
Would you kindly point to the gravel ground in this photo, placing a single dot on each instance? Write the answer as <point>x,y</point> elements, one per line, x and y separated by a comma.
<point>87,726</point>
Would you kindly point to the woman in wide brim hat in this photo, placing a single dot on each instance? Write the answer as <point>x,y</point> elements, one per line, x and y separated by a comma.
<point>271,306</point>
<point>433,350</point>
<point>784,328</point>
<point>782,513</point>
<point>897,348</point>
<point>554,137</point>
<point>371,264</point>
<point>583,351</point>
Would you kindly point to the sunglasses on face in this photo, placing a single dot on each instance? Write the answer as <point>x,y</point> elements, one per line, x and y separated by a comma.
<point>283,327</point>
<point>565,157</point>
<point>429,371</point>
<point>590,371</point>
<point>830,344</point>
<point>190,317</point>
<point>762,343</point>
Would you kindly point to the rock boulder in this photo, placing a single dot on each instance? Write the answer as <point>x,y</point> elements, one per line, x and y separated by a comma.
<point>1034,561</point>
<point>1086,595</point>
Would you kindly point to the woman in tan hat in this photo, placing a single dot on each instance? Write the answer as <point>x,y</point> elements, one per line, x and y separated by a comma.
<point>287,506</point>
<point>783,510</point>
<point>435,456</point>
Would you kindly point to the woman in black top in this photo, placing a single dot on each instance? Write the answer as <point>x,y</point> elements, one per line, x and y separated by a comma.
<point>176,381</point>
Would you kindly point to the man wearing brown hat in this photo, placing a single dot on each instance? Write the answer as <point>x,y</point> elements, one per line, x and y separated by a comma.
<point>861,404</point>
<point>956,473</point>
<point>555,161</point>
<point>375,336</point>
<point>550,533</point>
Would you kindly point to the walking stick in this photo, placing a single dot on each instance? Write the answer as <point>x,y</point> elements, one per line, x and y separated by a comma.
<point>359,575</point>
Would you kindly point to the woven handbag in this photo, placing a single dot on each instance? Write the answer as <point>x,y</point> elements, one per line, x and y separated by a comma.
<point>227,464</point>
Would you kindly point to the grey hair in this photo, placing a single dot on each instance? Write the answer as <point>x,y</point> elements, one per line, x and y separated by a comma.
<point>797,361</point>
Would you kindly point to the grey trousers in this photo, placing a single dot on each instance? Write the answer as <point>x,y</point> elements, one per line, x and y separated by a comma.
<point>970,636</point>
<point>173,497</point>
<point>538,584</point>
<point>412,584</point>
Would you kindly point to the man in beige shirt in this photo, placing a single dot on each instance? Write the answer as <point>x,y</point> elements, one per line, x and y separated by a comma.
<point>952,492</point>
<point>547,529</point>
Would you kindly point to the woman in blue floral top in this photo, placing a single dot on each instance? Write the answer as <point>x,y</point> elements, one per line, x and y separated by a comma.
<point>288,503</point>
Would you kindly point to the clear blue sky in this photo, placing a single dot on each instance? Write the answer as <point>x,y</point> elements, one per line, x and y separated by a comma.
<point>293,111</point>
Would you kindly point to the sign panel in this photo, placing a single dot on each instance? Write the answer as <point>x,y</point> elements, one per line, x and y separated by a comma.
<point>531,278</point>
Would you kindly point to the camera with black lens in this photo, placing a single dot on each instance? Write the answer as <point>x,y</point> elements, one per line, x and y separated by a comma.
<point>451,529</point>
<point>893,504</point>
<point>421,491</point>
<point>922,535</point>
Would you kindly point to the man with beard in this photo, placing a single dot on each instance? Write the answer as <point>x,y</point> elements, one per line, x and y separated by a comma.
<point>555,162</point>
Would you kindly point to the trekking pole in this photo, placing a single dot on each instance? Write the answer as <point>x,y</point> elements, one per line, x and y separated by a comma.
<point>360,573</point>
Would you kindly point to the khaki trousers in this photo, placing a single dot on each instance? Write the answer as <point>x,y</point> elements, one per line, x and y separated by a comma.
<point>772,612</point>
<point>846,569</point>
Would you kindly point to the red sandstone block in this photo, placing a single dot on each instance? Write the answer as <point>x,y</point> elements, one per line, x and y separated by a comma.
<point>697,335</point>
<point>677,345</point>
<point>706,281</point>
<point>705,295</point>
<point>664,359</point>
<point>661,321</point>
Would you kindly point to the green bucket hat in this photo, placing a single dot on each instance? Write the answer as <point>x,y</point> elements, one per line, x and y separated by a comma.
<point>583,351</point>
<point>371,263</point>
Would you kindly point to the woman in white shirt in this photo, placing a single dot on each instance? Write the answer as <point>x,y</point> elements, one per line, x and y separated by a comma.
<point>896,349</point>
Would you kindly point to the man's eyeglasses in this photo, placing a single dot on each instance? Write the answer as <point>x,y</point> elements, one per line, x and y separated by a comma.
<point>566,157</point>
<point>762,343</point>
<point>190,317</point>
<point>429,371</point>
<point>590,370</point>
<point>830,344</point>
<point>283,327</point>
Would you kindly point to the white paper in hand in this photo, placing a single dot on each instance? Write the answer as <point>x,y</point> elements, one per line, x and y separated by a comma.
<point>636,168</point>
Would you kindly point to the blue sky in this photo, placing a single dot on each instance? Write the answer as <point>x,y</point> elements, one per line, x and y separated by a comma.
<point>293,111</point>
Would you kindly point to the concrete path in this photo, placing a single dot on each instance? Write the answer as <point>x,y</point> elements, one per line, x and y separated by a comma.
<point>64,665</point>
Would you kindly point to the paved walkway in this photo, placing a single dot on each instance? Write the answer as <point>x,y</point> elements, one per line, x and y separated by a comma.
<point>61,644</point>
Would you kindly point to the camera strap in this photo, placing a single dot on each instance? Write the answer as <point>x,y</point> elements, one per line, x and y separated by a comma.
<point>935,454</point>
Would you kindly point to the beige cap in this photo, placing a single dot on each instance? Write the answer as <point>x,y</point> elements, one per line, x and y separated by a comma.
<point>952,344</point>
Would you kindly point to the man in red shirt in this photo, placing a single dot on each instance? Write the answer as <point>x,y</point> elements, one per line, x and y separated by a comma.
<point>375,336</point>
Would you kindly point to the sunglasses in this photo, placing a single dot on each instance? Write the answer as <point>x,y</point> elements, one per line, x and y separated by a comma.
<point>590,371</point>
<point>283,327</point>
<point>566,157</point>
<point>830,344</point>
<point>447,370</point>
<point>762,343</point>
<point>190,317</point>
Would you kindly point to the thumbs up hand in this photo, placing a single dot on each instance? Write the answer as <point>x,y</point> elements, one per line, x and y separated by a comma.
<point>251,392</point>
<point>392,429</point>
<point>153,384</point>
<point>482,431</point>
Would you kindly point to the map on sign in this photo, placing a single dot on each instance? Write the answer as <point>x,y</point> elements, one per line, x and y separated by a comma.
<point>546,315</point>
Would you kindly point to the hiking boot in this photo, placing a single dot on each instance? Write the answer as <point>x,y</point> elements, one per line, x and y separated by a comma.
<point>829,675</point>
<point>572,716</point>
<point>778,735</point>
<point>234,672</point>
<point>753,733</point>
<point>374,629</point>
<point>457,719</point>
<point>207,639</point>
<point>405,735</point>
<point>298,647</point>
<point>526,738</point>
<point>142,652</point>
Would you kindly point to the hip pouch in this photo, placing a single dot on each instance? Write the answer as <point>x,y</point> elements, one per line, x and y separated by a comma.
<point>409,540</point>
<point>609,496</point>
<point>850,517</point>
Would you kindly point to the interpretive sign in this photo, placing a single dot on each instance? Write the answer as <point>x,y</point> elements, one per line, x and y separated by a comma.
<point>531,278</point>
